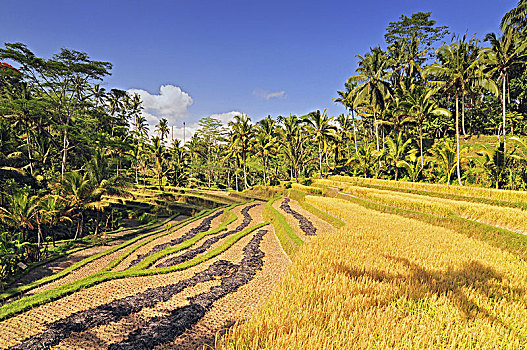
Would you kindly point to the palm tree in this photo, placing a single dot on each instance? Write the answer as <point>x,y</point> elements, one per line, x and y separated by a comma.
<point>115,105</point>
<point>51,212</point>
<point>162,128</point>
<point>266,140</point>
<point>292,139</point>
<point>351,101</point>
<point>140,126</point>
<point>77,191</point>
<point>506,52</point>
<point>406,58</point>
<point>345,126</point>
<point>447,157</point>
<point>322,131</point>
<point>373,86</point>
<point>159,153</point>
<point>177,173</point>
<point>98,94</point>
<point>420,106</point>
<point>21,212</point>
<point>515,19</point>
<point>459,68</point>
<point>397,151</point>
<point>242,132</point>
<point>495,163</point>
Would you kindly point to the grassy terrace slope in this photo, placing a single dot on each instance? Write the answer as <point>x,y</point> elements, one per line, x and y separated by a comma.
<point>174,285</point>
<point>385,281</point>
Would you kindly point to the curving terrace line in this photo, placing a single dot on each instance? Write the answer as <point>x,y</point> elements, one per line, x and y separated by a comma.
<point>189,254</point>
<point>202,227</point>
<point>305,224</point>
<point>161,329</point>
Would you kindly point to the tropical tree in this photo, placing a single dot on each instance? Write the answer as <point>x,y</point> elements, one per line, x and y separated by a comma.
<point>322,132</point>
<point>62,80</point>
<point>52,212</point>
<point>373,87</point>
<point>293,139</point>
<point>397,151</point>
<point>506,52</point>
<point>159,154</point>
<point>162,129</point>
<point>351,101</point>
<point>21,213</point>
<point>76,190</point>
<point>446,155</point>
<point>420,106</point>
<point>459,68</point>
<point>515,19</point>
<point>266,142</point>
<point>242,132</point>
<point>495,163</point>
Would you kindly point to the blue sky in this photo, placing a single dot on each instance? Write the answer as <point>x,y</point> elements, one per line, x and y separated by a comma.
<point>213,57</point>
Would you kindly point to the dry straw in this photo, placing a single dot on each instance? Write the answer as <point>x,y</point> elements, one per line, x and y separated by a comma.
<point>388,282</point>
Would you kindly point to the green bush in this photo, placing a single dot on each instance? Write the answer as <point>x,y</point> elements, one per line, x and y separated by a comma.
<point>147,218</point>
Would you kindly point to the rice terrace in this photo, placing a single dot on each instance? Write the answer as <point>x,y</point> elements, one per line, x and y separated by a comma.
<point>371,195</point>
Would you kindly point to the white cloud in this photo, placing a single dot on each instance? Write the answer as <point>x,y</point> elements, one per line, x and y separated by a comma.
<point>225,118</point>
<point>171,103</point>
<point>269,95</point>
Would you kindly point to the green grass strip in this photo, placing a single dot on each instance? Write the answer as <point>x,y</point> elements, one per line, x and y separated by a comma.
<point>32,301</point>
<point>512,242</point>
<point>146,263</point>
<point>25,288</point>
<point>162,233</point>
<point>286,235</point>
<point>299,196</point>
<point>63,250</point>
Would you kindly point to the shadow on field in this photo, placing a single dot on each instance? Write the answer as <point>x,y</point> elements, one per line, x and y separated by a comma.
<point>419,283</point>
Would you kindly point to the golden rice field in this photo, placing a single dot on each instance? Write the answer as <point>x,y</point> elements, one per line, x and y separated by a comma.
<point>388,282</point>
<point>322,269</point>
<point>514,219</point>
<point>488,193</point>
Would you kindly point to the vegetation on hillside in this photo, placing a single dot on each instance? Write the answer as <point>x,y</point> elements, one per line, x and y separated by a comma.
<point>417,107</point>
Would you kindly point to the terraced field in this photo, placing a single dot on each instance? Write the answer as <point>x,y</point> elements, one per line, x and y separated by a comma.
<point>170,285</point>
<point>415,266</point>
<point>371,263</point>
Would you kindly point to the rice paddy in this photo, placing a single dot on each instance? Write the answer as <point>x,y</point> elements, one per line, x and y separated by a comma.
<point>341,264</point>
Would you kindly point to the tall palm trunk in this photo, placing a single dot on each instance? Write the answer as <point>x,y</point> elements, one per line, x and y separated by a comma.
<point>457,141</point>
<point>264,170</point>
<point>376,130</point>
<point>504,112</point>
<point>136,172</point>
<point>245,184</point>
<point>320,159</point>
<point>65,144</point>
<point>463,114</point>
<point>421,143</point>
<point>354,133</point>
<point>28,142</point>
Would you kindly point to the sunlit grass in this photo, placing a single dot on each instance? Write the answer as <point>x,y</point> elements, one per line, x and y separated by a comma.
<point>467,191</point>
<point>510,218</point>
<point>384,281</point>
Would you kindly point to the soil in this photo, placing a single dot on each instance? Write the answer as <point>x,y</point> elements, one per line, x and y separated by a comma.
<point>191,253</point>
<point>60,264</point>
<point>305,224</point>
<point>165,328</point>
<point>202,227</point>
